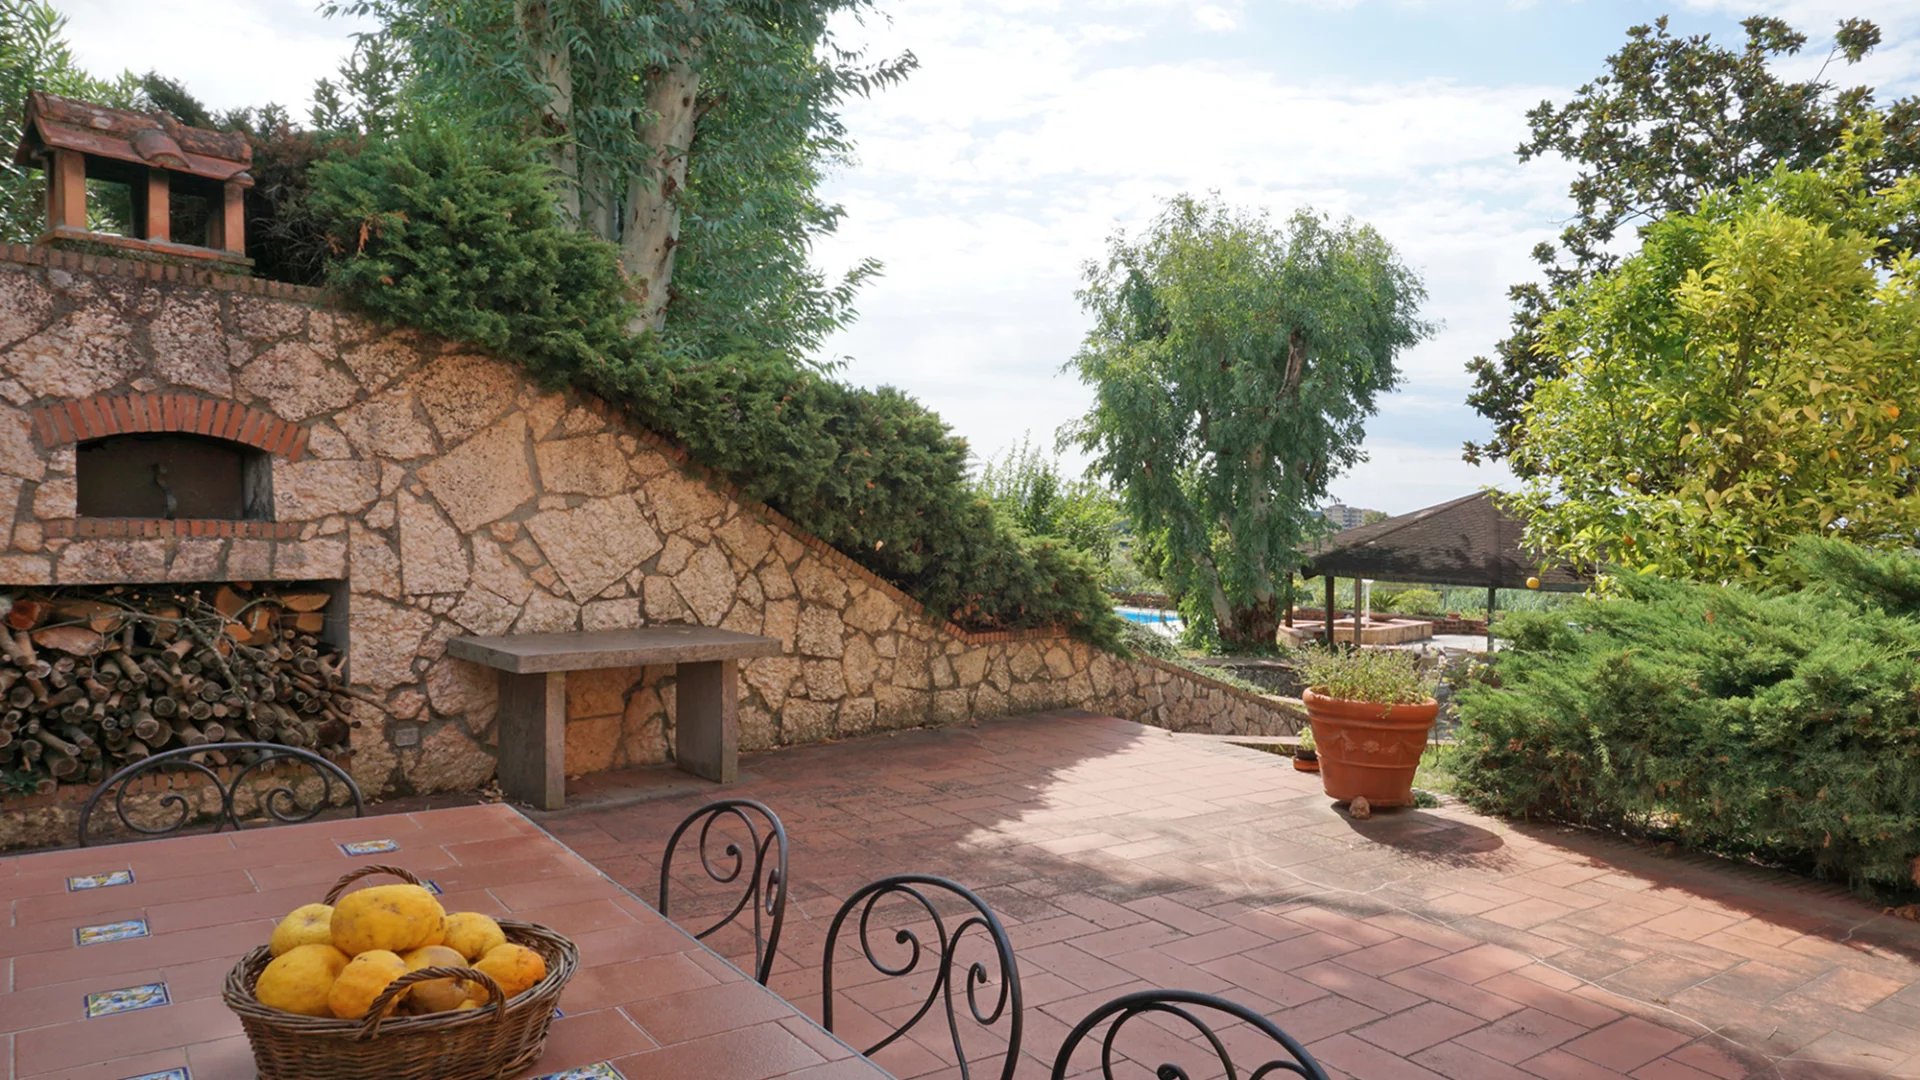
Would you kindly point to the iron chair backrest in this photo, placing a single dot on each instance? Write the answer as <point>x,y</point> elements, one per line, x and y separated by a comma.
<point>1184,1005</point>
<point>764,890</point>
<point>176,808</point>
<point>917,888</point>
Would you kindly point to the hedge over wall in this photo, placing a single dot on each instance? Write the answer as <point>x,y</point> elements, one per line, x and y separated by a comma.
<point>456,233</point>
<point>1782,726</point>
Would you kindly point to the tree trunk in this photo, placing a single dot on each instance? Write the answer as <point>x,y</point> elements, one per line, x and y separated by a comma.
<point>1256,626</point>
<point>553,66</point>
<point>651,231</point>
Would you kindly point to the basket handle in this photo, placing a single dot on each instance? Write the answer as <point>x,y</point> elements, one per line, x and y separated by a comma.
<point>496,997</point>
<point>333,894</point>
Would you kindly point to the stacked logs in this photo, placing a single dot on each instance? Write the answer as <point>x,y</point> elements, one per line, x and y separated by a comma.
<point>93,679</point>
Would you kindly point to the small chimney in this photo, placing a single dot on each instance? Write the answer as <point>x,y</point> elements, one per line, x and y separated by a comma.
<point>173,173</point>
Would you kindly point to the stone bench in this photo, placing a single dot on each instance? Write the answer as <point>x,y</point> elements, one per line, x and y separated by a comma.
<point>533,696</point>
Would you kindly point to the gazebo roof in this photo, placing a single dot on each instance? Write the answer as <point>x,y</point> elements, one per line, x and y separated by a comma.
<point>1468,541</point>
<point>156,141</point>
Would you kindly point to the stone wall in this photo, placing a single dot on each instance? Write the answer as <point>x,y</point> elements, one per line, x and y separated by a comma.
<point>454,495</point>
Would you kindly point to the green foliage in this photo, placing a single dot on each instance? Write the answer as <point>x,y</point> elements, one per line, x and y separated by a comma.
<point>1412,602</point>
<point>1233,364</point>
<point>455,231</point>
<point>1143,639</point>
<point>34,55</point>
<point>1782,726</point>
<point>1673,117</point>
<point>1027,486</point>
<point>1743,379</point>
<point>1380,676</point>
<point>717,118</point>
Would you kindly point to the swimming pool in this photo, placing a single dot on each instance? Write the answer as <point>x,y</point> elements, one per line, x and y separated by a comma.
<point>1167,622</point>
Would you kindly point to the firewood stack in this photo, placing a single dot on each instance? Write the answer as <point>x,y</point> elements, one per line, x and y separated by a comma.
<point>94,678</point>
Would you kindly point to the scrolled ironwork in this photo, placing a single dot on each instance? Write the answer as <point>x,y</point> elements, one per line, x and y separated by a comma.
<point>176,811</point>
<point>943,951</point>
<point>1184,1005</point>
<point>763,882</point>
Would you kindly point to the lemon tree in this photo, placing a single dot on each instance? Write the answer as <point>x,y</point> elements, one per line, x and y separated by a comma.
<point>1745,378</point>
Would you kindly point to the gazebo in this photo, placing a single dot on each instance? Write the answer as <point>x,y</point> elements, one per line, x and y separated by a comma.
<point>1469,541</point>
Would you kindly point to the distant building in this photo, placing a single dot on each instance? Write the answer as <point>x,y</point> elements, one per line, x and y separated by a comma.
<point>1343,516</point>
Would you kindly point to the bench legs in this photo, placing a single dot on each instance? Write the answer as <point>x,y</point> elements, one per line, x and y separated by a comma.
<point>533,730</point>
<point>706,733</point>
<point>533,738</point>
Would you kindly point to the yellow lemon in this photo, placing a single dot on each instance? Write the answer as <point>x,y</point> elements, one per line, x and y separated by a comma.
<point>308,924</point>
<point>436,995</point>
<point>472,934</point>
<point>362,980</point>
<point>514,967</point>
<point>397,918</point>
<point>301,979</point>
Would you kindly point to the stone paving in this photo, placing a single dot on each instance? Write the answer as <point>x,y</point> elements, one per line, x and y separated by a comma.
<point>1420,943</point>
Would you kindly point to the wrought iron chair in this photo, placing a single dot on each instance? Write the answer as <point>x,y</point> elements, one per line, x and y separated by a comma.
<point>174,810</point>
<point>944,952</point>
<point>1182,1005</point>
<point>764,889</point>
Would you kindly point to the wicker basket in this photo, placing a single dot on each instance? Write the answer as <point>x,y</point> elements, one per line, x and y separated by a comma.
<point>495,1040</point>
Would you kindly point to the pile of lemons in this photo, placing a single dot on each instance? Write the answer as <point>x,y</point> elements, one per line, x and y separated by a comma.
<point>334,961</point>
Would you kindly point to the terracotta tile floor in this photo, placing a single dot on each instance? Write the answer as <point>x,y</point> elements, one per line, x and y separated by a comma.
<point>1417,944</point>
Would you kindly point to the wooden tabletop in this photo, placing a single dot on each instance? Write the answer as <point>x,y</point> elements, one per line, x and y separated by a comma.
<point>527,654</point>
<point>164,920</point>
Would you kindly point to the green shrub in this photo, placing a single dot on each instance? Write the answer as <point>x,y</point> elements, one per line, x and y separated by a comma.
<point>1414,602</point>
<point>1383,676</point>
<point>455,232</point>
<point>1781,726</point>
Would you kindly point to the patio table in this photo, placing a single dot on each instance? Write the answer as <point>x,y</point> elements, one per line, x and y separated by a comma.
<point>141,936</point>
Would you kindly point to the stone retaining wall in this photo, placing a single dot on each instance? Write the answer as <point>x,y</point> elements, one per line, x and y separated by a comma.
<point>455,495</point>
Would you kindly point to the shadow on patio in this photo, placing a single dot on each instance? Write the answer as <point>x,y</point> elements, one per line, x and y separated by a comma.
<point>1418,943</point>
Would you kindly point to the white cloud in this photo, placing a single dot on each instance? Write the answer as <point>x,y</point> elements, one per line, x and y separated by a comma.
<point>230,54</point>
<point>1018,149</point>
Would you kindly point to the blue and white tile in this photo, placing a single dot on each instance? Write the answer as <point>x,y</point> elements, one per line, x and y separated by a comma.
<point>102,880</point>
<point>178,1072</point>
<point>599,1070</point>
<point>113,931</point>
<point>369,847</point>
<point>126,999</point>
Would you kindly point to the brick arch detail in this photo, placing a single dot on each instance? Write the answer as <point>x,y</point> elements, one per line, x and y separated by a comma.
<point>101,415</point>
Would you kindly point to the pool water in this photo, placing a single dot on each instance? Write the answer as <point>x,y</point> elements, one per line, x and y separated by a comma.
<point>1167,622</point>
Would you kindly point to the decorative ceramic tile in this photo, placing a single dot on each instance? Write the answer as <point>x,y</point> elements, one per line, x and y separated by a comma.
<point>369,847</point>
<point>434,887</point>
<point>557,1014</point>
<point>113,931</point>
<point>100,880</point>
<point>599,1070</point>
<point>130,999</point>
<point>177,1073</point>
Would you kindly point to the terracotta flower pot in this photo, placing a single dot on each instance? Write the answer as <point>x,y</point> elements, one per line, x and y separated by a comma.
<point>1368,750</point>
<point>1307,764</point>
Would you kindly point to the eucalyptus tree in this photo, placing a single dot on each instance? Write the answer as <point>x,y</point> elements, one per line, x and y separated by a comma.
<point>690,134</point>
<point>1234,364</point>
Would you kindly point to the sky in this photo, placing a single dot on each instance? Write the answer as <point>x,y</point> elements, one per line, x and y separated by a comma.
<point>1034,130</point>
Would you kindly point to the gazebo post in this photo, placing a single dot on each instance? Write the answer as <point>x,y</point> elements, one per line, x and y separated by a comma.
<point>1328,611</point>
<point>1493,597</point>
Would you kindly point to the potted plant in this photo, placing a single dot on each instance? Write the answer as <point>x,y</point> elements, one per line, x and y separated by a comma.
<point>1305,757</point>
<point>1371,712</point>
